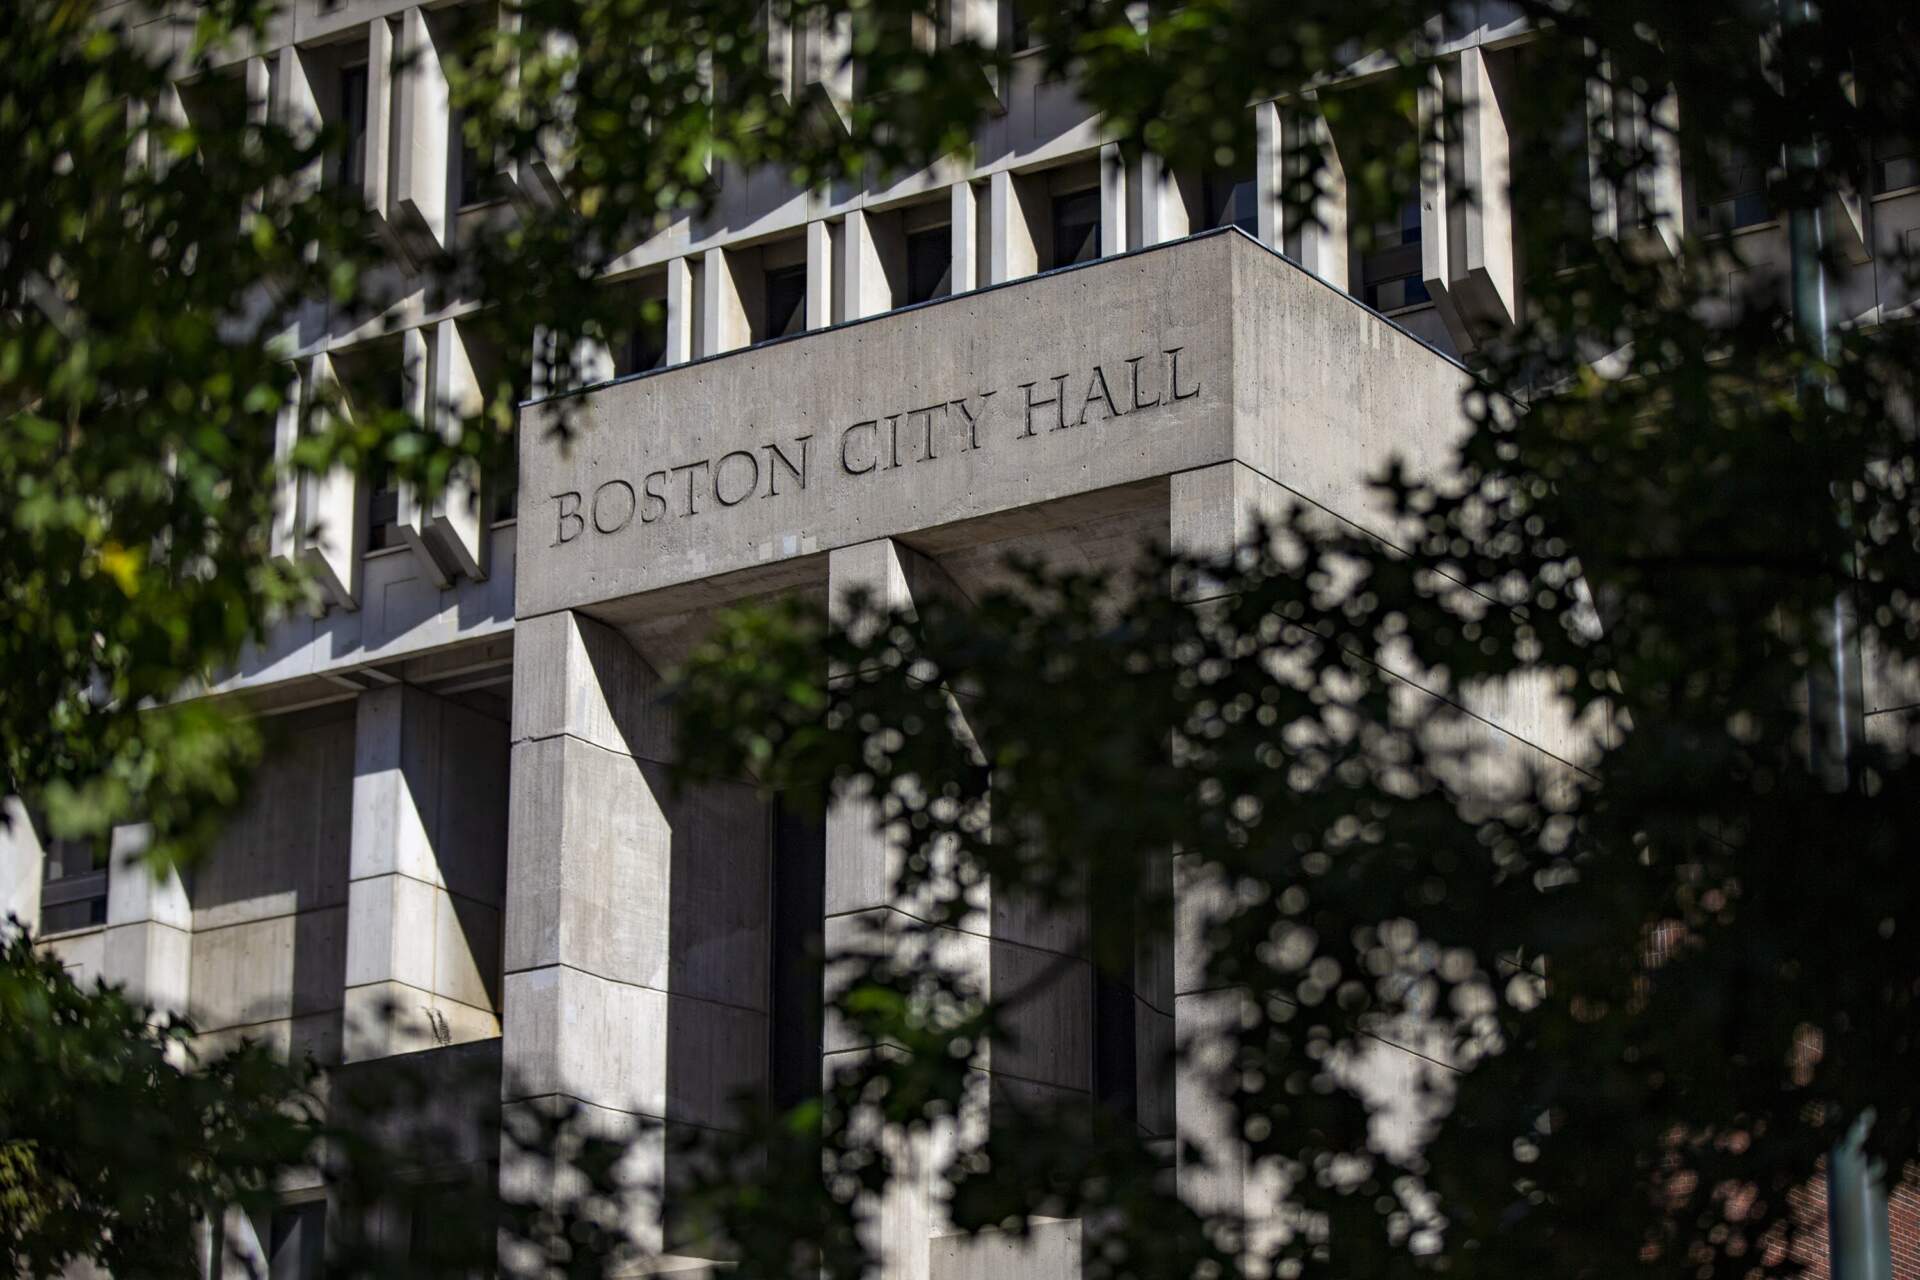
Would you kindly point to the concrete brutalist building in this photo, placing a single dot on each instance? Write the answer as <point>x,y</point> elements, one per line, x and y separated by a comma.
<point>1047,350</point>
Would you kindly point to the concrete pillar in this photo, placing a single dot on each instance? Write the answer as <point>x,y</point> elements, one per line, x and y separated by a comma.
<point>1319,242</point>
<point>148,947</point>
<point>284,539</point>
<point>298,108</point>
<point>422,205</point>
<point>1210,511</point>
<point>968,270</point>
<point>636,926</point>
<point>416,511</point>
<point>1114,220</point>
<point>1156,203</point>
<point>1012,252</point>
<point>1466,223</point>
<point>454,524</point>
<point>426,874</point>
<point>863,288</point>
<point>1003,945</point>
<point>330,528</point>
<point>375,187</point>
<point>680,308</point>
<point>862,912</point>
<point>820,265</point>
<point>724,324</point>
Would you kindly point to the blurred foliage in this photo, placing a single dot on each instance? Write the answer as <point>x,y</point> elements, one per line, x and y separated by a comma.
<point>1663,967</point>
<point>113,1138</point>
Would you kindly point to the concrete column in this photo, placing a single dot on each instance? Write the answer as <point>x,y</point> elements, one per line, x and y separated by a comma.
<point>862,912</point>
<point>680,326</point>
<point>329,517</point>
<point>1466,227</point>
<point>284,535</point>
<point>968,270</point>
<point>864,289</point>
<point>148,947</point>
<point>1114,221</point>
<point>724,325</point>
<point>1486,212</point>
<point>426,874</point>
<point>455,523</point>
<point>1012,252</point>
<point>820,266</point>
<point>1318,243</point>
<point>1210,511</point>
<point>1269,175</point>
<point>422,206</point>
<point>374,182</point>
<point>298,108</point>
<point>416,512</point>
<point>1158,205</point>
<point>636,927</point>
<point>1005,946</point>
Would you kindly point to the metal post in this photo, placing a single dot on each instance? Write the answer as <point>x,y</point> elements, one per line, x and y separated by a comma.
<point>1858,1242</point>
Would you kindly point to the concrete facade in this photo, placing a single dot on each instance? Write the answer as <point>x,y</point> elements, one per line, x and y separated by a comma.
<point>462,843</point>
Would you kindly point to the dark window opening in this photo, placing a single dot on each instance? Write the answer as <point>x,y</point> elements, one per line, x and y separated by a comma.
<point>786,301</point>
<point>929,264</point>
<point>297,1241</point>
<point>444,1225</point>
<point>1076,228</point>
<point>1232,201</point>
<point>1116,1078</point>
<point>1734,194</point>
<point>1390,271</point>
<point>350,170</point>
<point>476,169</point>
<point>644,344</point>
<point>799,902</point>
<point>73,885</point>
<point>383,507</point>
<point>1020,34</point>
<point>503,490</point>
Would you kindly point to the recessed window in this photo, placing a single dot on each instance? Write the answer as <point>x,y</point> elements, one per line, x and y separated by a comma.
<point>642,345</point>
<point>786,301</point>
<point>374,381</point>
<point>350,166</point>
<point>1076,227</point>
<point>296,1242</point>
<point>383,508</point>
<point>1232,201</point>
<point>73,886</point>
<point>477,174</point>
<point>1390,271</point>
<point>929,264</point>
<point>1734,193</point>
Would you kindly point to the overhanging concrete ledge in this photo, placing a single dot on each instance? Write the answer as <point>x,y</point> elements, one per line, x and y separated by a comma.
<point>1194,353</point>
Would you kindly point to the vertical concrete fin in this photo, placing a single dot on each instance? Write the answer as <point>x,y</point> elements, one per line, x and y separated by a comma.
<point>1011,207</point>
<point>331,525</point>
<point>457,521</point>
<point>967,273</point>
<point>422,126</point>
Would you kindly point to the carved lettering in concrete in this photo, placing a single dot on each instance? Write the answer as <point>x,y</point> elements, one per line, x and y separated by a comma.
<point>874,446</point>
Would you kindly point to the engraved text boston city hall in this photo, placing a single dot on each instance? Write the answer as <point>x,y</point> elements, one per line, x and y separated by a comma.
<point>874,446</point>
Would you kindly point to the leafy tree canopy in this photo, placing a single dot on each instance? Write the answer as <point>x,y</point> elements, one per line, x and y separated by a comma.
<point>1675,964</point>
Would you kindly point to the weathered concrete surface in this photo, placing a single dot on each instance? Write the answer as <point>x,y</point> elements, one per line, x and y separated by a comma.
<point>269,924</point>
<point>1148,365</point>
<point>428,874</point>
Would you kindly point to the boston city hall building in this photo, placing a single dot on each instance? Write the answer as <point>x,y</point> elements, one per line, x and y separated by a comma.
<point>1048,350</point>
